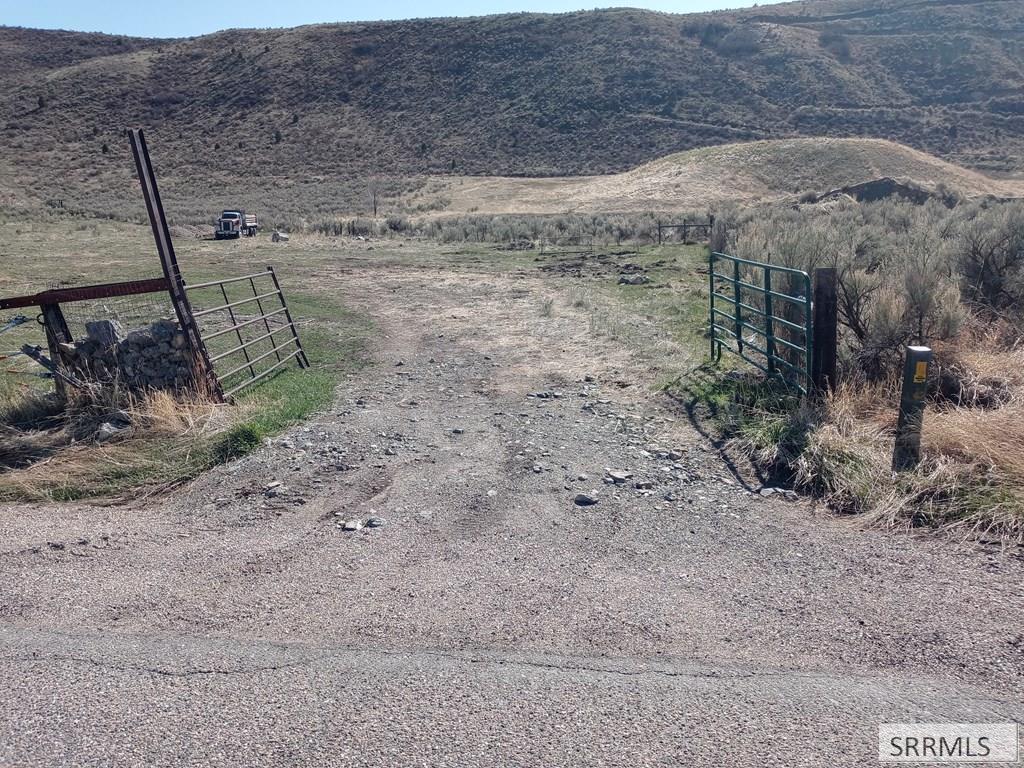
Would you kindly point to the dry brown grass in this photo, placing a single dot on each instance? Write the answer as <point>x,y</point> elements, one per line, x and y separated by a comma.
<point>992,438</point>
<point>970,482</point>
<point>749,172</point>
<point>162,440</point>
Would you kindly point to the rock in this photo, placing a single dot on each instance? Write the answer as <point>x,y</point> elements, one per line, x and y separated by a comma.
<point>106,333</point>
<point>643,485</point>
<point>163,330</point>
<point>120,417</point>
<point>583,500</point>
<point>633,279</point>
<point>675,455</point>
<point>106,431</point>
<point>785,493</point>
<point>538,468</point>
<point>375,522</point>
<point>492,493</point>
<point>458,431</point>
<point>391,451</point>
<point>142,338</point>
<point>353,525</point>
<point>618,477</point>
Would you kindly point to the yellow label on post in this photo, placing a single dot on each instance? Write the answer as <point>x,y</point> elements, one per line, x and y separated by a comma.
<point>921,372</point>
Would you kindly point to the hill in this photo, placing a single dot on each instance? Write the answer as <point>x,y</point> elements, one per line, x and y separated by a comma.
<point>749,172</point>
<point>516,95</point>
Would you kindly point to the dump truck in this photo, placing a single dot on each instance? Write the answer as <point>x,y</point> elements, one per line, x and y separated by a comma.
<point>233,224</point>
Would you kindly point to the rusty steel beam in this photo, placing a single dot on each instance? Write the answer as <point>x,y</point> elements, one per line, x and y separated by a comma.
<point>85,293</point>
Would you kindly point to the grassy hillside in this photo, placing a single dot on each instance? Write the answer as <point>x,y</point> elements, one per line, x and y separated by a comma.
<point>525,94</point>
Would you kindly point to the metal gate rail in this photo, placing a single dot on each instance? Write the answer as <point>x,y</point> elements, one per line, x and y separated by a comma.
<point>257,344</point>
<point>794,365</point>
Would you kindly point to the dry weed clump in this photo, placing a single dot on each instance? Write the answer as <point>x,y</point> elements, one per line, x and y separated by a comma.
<point>104,440</point>
<point>969,483</point>
<point>970,480</point>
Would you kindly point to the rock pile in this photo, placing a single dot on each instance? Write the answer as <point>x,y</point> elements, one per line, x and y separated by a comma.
<point>157,357</point>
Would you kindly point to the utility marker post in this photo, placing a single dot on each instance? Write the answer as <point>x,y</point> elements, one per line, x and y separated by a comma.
<point>907,452</point>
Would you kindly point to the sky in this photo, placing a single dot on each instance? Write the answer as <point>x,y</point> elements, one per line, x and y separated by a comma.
<point>144,18</point>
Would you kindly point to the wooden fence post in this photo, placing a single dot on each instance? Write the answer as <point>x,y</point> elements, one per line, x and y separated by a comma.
<point>907,451</point>
<point>825,330</point>
<point>57,333</point>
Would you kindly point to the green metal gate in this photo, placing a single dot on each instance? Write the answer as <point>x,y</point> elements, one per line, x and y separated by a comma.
<point>773,305</point>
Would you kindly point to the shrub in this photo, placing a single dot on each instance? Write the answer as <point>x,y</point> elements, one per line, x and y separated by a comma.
<point>835,43</point>
<point>906,273</point>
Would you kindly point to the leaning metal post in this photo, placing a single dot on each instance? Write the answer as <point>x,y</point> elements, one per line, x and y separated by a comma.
<point>907,451</point>
<point>168,260</point>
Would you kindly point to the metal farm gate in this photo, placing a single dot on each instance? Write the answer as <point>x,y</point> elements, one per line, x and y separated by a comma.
<point>764,313</point>
<point>241,335</point>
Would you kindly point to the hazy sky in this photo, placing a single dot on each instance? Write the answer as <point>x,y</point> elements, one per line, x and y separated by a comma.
<point>195,17</point>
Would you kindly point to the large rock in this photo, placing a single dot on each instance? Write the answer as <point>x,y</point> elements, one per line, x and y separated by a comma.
<point>142,338</point>
<point>164,330</point>
<point>106,431</point>
<point>106,333</point>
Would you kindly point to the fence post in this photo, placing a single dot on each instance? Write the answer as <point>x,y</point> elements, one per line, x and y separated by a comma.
<point>907,450</point>
<point>57,333</point>
<point>769,326</point>
<point>825,327</point>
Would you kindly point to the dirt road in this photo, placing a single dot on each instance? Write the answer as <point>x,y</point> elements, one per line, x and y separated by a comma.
<point>491,621</point>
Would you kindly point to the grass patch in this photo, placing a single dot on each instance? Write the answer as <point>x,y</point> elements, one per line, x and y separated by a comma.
<point>661,320</point>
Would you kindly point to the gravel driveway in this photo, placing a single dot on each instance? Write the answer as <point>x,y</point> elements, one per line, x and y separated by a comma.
<point>486,618</point>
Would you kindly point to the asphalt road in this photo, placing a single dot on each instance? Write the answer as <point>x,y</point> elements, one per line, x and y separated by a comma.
<point>680,621</point>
